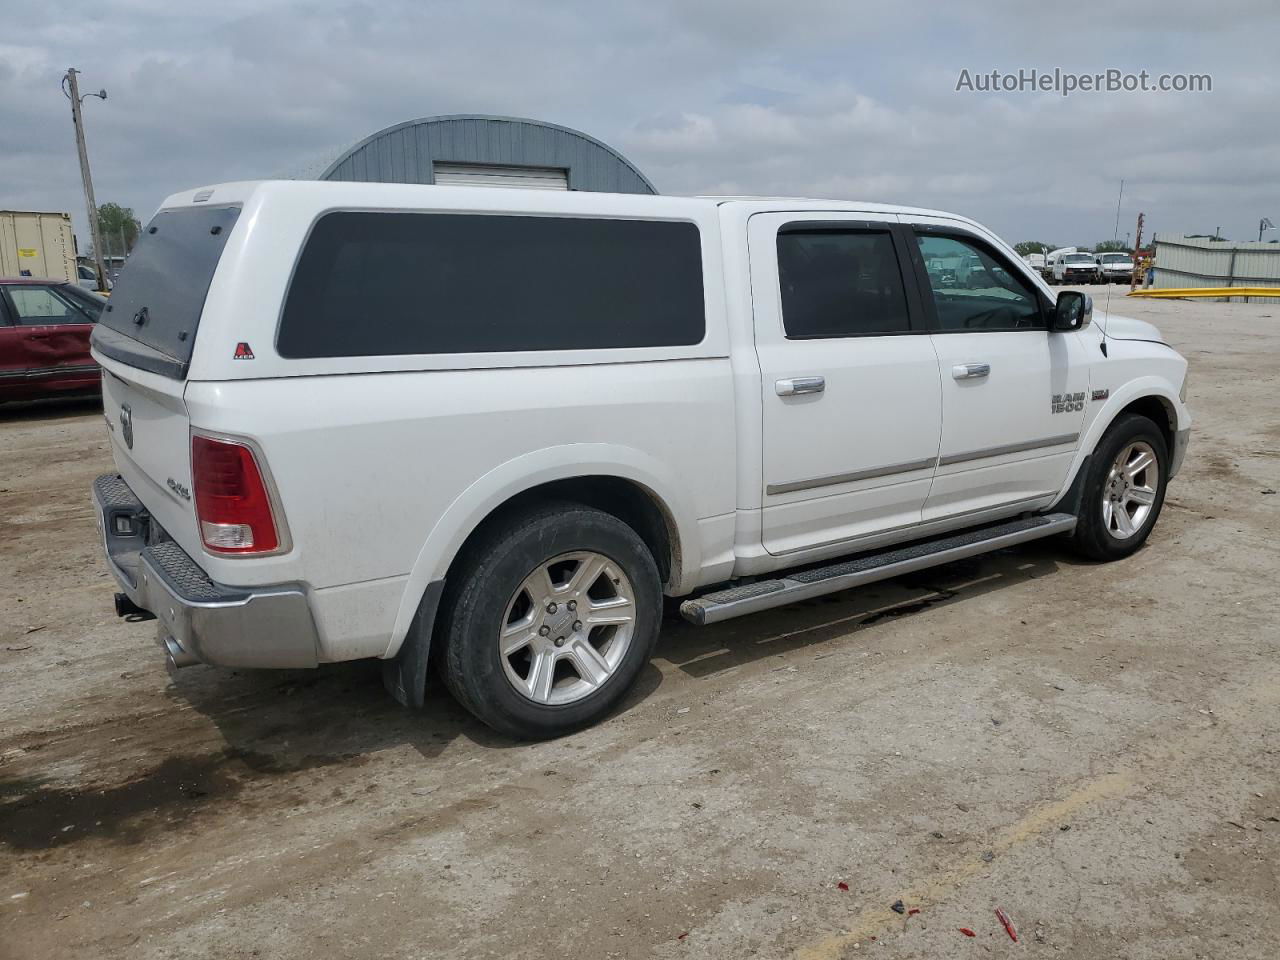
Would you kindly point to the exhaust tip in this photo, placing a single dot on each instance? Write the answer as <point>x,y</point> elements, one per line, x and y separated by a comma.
<point>176,656</point>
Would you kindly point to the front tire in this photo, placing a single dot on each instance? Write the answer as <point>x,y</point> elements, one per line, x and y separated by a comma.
<point>1123,491</point>
<point>554,615</point>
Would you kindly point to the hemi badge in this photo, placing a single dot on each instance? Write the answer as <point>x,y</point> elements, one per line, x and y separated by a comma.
<point>1100,394</point>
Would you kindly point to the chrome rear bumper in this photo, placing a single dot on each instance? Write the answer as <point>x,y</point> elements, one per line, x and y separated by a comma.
<point>199,621</point>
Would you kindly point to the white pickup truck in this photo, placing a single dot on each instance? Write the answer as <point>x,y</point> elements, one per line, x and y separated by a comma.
<point>487,430</point>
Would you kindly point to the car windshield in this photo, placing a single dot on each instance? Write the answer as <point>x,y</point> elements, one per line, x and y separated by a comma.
<point>1115,257</point>
<point>1077,258</point>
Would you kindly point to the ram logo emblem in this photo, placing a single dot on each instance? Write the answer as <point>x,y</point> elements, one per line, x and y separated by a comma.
<point>126,425</point>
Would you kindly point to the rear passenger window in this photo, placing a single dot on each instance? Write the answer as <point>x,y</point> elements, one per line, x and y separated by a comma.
<point>376,284</point>
<point>839,283</point>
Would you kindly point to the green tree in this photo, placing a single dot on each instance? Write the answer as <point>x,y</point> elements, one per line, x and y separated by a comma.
<point>1032,246</point>
<point>119,229</point>
<point>1111,246</point>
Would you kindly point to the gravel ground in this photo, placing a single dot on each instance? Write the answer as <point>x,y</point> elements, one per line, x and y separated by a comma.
<point>1094,749</point>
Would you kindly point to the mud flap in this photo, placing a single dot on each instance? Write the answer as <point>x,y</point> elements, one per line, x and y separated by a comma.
<point>405,675</point>
<point>1074,497</point>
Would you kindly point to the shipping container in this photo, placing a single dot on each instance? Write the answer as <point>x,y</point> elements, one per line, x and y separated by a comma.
<point>34,244</point>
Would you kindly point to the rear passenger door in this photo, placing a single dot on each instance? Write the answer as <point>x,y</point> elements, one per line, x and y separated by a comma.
<point>850,385</point>
<point>1013,391</point>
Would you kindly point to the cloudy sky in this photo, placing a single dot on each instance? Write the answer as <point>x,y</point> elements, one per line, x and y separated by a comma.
<point>832,98</point>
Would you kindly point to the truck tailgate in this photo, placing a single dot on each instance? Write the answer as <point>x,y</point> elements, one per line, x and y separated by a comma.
<point>151,445</point>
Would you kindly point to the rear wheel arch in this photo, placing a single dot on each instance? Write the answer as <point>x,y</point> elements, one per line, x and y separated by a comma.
<point>631,499</point>
<point>533,474</point>
<point>536,681</point>
<point>634,504</point>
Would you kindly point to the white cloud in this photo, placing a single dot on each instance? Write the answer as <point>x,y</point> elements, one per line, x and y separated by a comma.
<point>812,97</point>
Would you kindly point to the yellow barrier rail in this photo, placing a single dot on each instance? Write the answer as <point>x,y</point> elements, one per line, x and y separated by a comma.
<point>1175,293</point>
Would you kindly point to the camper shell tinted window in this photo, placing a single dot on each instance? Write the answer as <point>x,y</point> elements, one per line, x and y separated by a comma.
<point>381,284</point>
<point>160,294</point>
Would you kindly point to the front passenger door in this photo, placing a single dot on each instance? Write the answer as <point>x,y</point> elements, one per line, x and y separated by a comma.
<point>54,326</point>
<point>1013,391</point>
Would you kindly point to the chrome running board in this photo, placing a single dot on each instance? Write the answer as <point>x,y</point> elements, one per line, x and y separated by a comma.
<point>870,567</point>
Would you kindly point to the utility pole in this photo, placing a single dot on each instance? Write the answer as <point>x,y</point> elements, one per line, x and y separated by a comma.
<point>1137,245</point>
<point>77,118</point>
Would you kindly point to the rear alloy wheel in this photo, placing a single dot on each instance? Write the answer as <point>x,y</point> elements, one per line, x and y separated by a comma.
<point>568,627</point>
<point>1123,491</point>
<point>548,619</point>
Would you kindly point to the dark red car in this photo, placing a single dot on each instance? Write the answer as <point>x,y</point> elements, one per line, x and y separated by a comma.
<point>44,339</point>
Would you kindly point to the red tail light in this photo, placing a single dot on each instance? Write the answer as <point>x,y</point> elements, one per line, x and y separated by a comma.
<point>232,503</point>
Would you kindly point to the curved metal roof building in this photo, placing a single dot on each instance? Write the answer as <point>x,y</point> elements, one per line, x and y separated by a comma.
<point>489,151</point>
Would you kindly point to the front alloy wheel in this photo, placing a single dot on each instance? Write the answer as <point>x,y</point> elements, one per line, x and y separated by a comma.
<point>1123,489</point>
<point>1130,490</point>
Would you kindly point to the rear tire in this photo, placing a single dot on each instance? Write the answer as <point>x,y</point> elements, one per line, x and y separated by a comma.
<point>554,614</point>
<point>1123,491</point>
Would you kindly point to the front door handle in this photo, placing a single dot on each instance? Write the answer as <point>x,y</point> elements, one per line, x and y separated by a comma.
<point>970,371</point>
<point>798,385</point>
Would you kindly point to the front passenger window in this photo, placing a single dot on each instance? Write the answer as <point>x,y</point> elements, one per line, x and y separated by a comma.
<point>974,291</point>
<point>41,305</point>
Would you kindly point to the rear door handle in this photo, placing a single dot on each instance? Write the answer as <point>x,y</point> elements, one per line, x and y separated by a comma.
<point>37,336</point>
<point>970,371</point>
<point>798,385</point>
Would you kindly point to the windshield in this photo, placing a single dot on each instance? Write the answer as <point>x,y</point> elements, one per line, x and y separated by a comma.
<point>1115,258</point>
<point>1077,258</point>
<point>160,294</point>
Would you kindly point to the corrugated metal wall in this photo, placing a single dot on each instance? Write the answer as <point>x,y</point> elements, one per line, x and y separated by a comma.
<point>1201,262</point>
<point>405,153</point>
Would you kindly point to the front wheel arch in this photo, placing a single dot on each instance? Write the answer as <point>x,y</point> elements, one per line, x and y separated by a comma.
<point>1156,409</point>
<point>1092,538</point>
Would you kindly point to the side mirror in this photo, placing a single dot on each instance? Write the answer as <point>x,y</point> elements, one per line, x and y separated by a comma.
<point>1073,311</point>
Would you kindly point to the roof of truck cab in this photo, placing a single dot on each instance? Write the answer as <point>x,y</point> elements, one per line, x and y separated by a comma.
<point>851,205</point>
<point>514,198</point>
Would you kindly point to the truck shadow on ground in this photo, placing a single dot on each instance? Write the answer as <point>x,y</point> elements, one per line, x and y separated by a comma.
<point>706,651</point>
<point>275,732</point>
<point>275,720</point>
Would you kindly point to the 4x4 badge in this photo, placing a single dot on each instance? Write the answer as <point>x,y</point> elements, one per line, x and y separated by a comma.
<point>243,351</point>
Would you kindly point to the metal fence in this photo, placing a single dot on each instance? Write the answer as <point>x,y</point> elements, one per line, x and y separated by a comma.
<point>1201,262</point>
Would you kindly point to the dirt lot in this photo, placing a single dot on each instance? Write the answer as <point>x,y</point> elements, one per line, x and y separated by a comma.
<point>1096,749</point>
